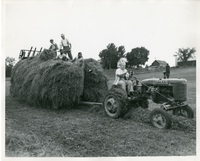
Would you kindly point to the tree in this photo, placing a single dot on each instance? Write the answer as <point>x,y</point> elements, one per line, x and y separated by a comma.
<point>104,59</point>
<point>121,51</point>
<point>185,54</point>
<point>111,55</point>
<point>9,62</point>
<point>137,56</point>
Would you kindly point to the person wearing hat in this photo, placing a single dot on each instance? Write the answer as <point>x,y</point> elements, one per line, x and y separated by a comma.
<point>120,74</point>
<point>65,46</point>
<point>53,47</point>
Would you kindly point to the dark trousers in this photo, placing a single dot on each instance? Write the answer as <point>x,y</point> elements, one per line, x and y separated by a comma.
<point>167,75</point>
<point>66,50</point>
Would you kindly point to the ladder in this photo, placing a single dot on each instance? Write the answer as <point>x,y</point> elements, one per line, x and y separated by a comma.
<point>24,54</point>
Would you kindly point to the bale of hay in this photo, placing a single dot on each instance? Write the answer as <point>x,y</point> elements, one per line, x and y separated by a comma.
<point>95,83</point>
<point>48,82</point>
<point>51,83</point>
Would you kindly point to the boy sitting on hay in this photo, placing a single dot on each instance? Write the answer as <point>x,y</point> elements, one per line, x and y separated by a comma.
<point>122,77</point>
<point>78,59</point>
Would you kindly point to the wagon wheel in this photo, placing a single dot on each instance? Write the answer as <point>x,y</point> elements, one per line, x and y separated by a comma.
<point>115,103</point>
<point>160,118</point>
<point>185,111</point>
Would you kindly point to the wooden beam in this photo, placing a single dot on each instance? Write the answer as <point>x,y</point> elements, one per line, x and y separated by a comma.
<point>34,52</point>
<point>39,51</point>
<point>90,103</point>
<point>29,51</point>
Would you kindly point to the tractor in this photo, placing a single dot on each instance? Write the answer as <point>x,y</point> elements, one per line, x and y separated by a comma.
<point>170,93</point>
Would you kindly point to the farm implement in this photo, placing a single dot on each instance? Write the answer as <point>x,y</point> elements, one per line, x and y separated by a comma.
<point>65,84</point>
<point>24,54</point>
<point>170,93</point>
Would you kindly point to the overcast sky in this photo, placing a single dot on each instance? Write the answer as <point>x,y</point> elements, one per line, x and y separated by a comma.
<point>162,27</point>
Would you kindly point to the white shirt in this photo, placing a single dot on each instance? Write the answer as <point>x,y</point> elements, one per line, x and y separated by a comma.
<point>64,42</point>
<point>61,56</point>
<point>119,71</point>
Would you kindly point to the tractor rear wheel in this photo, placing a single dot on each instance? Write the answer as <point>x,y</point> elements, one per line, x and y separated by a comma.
<point>115,103</point>
<point>185,111</point>
<point>160,118</point>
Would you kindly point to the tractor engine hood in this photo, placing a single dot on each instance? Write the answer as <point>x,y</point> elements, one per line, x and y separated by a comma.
<point>163,82</point>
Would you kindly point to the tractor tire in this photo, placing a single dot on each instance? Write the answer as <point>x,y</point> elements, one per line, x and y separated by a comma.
<point>185,111</point>
<point>159,118</point>
<point>115,103</point>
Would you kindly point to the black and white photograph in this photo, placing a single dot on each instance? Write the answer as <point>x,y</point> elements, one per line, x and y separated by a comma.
<point>99,79</point>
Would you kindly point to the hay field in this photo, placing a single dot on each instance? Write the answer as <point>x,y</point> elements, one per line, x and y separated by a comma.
<point>87,132</point>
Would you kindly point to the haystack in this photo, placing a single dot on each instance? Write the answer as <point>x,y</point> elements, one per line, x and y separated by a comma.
<point>48,82</point>
<point>95,83</point>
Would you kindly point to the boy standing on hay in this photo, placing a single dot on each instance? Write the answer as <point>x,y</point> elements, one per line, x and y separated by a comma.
<point>53,47</point>
<point>120,75</point>
<point>65,47</point>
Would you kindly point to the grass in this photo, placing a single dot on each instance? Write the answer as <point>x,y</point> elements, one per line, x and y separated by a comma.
<point>87,132</point>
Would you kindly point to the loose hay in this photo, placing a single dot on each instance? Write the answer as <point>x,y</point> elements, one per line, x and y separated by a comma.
<point>178,122</point>
<point>96,83</point>
<point>140,115</point>
<point>46,55</point>
<point>183,123</point>
<point>48,82</point>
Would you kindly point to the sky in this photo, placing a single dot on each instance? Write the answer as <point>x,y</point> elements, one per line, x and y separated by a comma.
<point>161,26</point>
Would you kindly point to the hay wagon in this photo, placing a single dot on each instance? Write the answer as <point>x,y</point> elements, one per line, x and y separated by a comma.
<point>43,80</point>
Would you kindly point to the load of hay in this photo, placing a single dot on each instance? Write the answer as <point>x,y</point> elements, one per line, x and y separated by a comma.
<point>95,84</point>
<point>49,82</point>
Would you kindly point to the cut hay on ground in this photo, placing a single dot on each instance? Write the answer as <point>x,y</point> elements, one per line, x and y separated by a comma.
<point>48,82</point>
<point>178,122</point>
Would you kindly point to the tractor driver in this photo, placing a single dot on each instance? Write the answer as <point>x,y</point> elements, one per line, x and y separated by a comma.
<point>120,74</point>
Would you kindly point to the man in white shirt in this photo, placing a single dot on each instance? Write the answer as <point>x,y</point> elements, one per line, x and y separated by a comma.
<point>65,47</point>
<point>120,74</point>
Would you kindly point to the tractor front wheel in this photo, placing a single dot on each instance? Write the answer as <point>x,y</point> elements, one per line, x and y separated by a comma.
<point>185,111</point>
<point>160,118</point>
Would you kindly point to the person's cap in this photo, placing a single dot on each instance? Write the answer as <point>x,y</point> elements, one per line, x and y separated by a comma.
<point>51,40</point>
<point>62,35</point>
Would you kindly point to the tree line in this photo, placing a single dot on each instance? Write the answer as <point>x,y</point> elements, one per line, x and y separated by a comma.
<point>137,56</point>
<point>110,56</point>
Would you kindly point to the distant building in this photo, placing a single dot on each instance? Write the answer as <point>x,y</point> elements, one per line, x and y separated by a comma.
<point>189,63</point>
<point>159,63</point>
